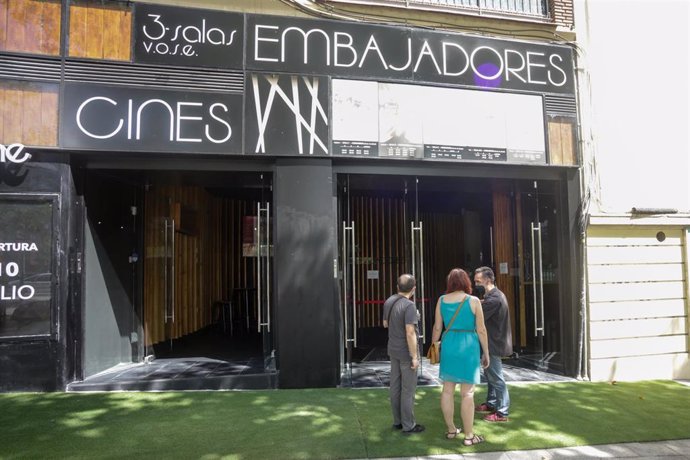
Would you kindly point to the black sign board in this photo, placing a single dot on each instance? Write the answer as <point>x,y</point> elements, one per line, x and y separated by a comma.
<point>26,266</point>
<point>188,37</point>
<point>286,115</point>
<point>99,117</point>
<point>387,53</point>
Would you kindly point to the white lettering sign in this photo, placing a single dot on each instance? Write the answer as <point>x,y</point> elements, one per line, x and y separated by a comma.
<point>13,153</point>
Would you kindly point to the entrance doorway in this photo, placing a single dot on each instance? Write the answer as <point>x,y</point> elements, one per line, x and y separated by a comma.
<point>199,257</point>
<point>426,226</point>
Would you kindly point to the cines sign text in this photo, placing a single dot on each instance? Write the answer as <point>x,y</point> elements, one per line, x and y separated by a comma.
<point>102,117</point>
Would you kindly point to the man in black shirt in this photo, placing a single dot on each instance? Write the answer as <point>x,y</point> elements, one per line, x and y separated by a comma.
<point>497,320</point>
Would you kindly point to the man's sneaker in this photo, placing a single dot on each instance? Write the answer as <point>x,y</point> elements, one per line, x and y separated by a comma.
<point>415,429</point>
<point>495,417</point>
<point>483,407</point>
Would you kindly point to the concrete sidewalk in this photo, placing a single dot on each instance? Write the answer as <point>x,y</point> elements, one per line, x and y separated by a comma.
<point>677,450</point>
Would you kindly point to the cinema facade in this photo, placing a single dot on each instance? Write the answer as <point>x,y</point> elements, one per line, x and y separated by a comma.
<point>234,190</point>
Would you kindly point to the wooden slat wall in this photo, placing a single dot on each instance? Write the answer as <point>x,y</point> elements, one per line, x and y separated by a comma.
<point>30,26</point>
<point>192,304</point>
<point>562,142</point>
<point>28,114</point>
<point>100,32</point>
<point>504,249</point>
<point>382,231</point>
<point>229,269</point>
<point>380,245</point>
<point>638,303</point>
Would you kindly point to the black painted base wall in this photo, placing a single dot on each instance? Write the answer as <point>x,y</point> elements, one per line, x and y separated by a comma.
<point>306,308</point>
<point>42,363</point>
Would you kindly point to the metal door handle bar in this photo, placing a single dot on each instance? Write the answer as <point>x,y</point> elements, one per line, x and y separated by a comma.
<point>537,229</point>
<point>346,308</point>
<point>263,267</point>
<point>419,229</point>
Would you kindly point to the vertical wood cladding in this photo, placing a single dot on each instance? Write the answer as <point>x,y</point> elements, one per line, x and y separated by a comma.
<point>30,26</point>
<point>97,32</point>
<point>209,265</point>
<point>504,248</point>
<point>562,143</point>
<point>28,114</point>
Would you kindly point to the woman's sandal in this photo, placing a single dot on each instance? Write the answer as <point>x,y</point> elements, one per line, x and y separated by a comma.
<point>476,439</point>
<point>453,434</point>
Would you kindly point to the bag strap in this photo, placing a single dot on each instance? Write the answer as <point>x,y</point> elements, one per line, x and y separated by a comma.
<point>457,310</point>
<point>388,320</point>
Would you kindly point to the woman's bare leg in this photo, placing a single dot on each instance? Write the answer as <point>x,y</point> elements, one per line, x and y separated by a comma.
<point>448,405</point>
<point>467,409</point>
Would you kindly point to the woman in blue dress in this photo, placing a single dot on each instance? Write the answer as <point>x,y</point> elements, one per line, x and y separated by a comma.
<point>460,357</point>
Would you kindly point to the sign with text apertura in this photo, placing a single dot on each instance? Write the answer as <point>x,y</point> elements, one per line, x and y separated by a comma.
<point>187,37</point>
<point>100,117</point>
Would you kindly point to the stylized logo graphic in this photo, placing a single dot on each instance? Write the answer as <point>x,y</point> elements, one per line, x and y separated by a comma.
<point>488,75</point>
<point>308,118</point>
<point>14,153</point>
<point>182,40</point>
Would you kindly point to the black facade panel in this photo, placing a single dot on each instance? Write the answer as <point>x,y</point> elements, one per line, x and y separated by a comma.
<point>29,365</point>
<point>42,361</point>
<point>307,310</point>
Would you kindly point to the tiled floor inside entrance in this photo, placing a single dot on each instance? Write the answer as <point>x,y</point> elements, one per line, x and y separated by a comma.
<point>374,374</point>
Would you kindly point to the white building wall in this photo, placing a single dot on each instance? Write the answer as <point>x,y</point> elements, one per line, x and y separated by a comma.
<point>634,80</point>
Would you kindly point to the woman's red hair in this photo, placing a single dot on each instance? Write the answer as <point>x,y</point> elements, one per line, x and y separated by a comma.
<point>458,280</point>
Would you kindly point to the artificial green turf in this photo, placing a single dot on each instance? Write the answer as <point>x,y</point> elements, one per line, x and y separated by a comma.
<point>327,423</point>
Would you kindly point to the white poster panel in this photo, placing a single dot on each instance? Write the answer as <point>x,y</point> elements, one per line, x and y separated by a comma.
<point>355,117</point>
<point>400,130</point>
<point>438,123</point>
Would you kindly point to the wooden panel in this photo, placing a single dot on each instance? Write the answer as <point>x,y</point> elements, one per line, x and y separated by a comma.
<point>631,236</point>
<point>77,31</point>
<point>4,113</point>
<point>504,249</point>
<point>666,367</point>
<point>49,118</point>
<point>567,144</point>
<point>561,143</point>
<point>637,328</point>
<point>635,273</point>
<point>16,18</point>
<point>12,119</point>
<point>22,112</point>
<point>50,31</point>
<point>555,144</point>
<point>31,116</point>
<point>99,32</point>
<point>636,291</point>
<point>634,254</point>
<point>4,7</point>
<point>636,309</point>
<point>94,32</point>
<point>639,346</point>
<point>32,26</point>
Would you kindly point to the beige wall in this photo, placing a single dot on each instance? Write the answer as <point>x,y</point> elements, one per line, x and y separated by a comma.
<point>638,302</point>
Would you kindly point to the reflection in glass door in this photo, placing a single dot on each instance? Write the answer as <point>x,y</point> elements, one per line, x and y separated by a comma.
<point>540,331</point>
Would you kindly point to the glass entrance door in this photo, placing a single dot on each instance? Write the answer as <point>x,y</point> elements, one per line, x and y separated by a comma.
<point>539,280</point>
<point>264,271</point>
<point>374,241</point>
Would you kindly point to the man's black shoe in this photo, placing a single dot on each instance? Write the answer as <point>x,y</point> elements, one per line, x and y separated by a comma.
<point>398,426</point>
<point>415,429</point>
